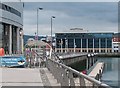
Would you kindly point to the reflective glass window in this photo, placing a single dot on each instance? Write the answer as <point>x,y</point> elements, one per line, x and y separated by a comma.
<point>96,43</point>
<point>84,43</point>
<point>70,43</point>
<point>90,43</point>
<point>78,43</point>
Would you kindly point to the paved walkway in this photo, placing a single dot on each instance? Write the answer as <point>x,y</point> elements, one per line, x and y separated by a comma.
<point>27,77</point>
<point>37,77</point>
<point>95,71</point>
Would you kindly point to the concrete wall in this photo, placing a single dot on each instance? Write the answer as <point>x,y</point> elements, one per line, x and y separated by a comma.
<point>11,25</point>
<point>11,18</point>
<point>68,61</point>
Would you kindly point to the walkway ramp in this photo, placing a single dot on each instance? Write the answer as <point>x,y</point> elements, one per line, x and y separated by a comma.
<point>95,73</point>
<point>98,69</point>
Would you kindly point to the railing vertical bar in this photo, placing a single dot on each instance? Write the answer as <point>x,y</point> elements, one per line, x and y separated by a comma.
<point>82,82</point>
<point>72,83</point>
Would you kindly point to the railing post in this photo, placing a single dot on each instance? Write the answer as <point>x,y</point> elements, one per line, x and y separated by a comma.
<point>65,80</point>
<point>82,82</point>
<point>72,83</point>
<point>55,71</point>
<point>100,74</point>
<point>58,73</point>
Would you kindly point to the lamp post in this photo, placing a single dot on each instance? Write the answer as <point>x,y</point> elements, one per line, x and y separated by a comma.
<point>37,20</point>
<point>21,40</point>
<point>35,41</point>
<point>65,45</point>
<point>52,17</point>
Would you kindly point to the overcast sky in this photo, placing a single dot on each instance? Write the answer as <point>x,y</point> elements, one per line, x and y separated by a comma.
<point>92,16</point>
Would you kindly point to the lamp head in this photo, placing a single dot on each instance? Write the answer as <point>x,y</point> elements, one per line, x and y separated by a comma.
<point>40,8</point>
<point>53,16</point>
<point>21,32</point>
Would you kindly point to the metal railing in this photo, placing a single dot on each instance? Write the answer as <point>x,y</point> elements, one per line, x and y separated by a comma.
<point>14,54</point>
<point>65,76</point>
<point>70,55</point>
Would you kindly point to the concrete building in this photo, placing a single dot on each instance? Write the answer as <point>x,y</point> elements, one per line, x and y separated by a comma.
<point>83,42</point>
<point>116,42</point>
<point>11,27</point>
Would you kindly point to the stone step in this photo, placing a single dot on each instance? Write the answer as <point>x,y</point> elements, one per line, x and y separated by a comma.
<point>51,78</point>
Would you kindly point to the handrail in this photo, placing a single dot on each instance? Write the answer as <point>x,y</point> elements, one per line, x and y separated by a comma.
<point>94,81</point>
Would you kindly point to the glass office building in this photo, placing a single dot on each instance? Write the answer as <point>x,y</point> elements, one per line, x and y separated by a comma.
<point>84,42</point>
<point>11,27</point>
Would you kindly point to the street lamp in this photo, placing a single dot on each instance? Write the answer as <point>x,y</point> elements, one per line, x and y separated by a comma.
<point>37,20</point>
<point>21,40</point>
<point>36,41</point>
<point>52,17</point>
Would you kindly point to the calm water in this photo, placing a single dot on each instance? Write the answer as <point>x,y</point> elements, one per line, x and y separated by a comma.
<point>111,73</point>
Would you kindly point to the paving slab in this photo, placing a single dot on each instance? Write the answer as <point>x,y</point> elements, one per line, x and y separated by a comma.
<point>27,77</point>
<point>21,77</point>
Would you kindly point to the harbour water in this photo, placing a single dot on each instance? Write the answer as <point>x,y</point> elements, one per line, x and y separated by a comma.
<point>111,71</point>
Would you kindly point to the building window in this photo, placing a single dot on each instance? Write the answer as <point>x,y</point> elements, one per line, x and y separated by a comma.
<point>110,50</point>
<point>103,51</point>
<point>91,50</point>
<point>63,43</point>
<point>90,43</point>
<point>103,43</point>
<point>115,51</point>
<point>70,43</point>
<point>78,43</point>
<point>96,51</point>
<point>84,43</point>
<point>82,50</point>
<point>109,43</point>
<point>10,9</point>
<point>115,46</point>
<point>58,43</point>
<point>96,43</point>
<point>57,50</point>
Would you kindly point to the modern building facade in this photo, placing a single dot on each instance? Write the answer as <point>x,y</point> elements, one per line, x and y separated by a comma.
<point>83,42</point>
<point>116,42</point>
<point>11,27</point>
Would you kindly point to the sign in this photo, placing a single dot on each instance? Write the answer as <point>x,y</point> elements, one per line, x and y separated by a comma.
<point>116,39</point>
<point>36,37</point>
